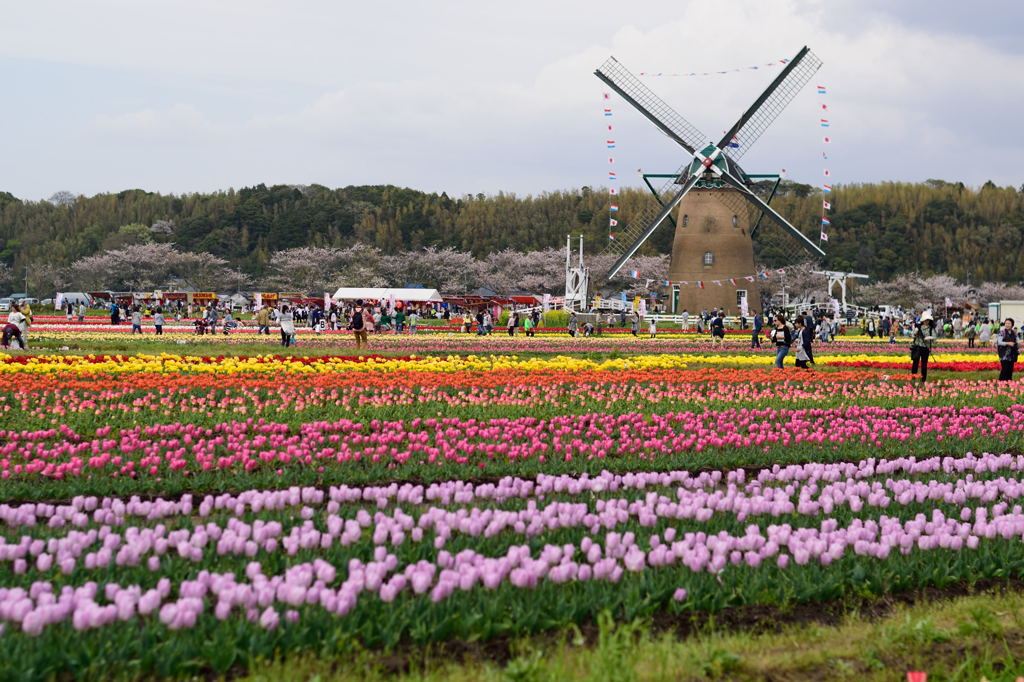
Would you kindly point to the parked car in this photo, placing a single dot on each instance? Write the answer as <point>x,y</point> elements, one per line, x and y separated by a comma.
<point>5,305</point>
<point>46,301</point>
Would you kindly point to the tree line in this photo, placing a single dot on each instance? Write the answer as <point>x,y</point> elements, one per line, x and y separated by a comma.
<point>881,229</point>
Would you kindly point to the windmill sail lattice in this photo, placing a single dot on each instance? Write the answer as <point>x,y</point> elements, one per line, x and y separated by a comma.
<point>712,167</point>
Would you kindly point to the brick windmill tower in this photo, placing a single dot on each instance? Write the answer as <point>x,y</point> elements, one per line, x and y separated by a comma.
<point>719,211</point>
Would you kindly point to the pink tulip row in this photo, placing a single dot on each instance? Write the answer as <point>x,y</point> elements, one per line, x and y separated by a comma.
<point>604,554</point>
<point>155,450</point>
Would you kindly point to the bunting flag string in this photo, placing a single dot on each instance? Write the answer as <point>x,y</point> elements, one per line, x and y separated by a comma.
<point>701,74</point>
<point>734,281</point>
<point>826,190</point>
<point>613,208</point>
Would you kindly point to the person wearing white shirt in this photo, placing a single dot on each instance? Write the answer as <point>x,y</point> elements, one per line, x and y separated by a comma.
<point>287,321</point>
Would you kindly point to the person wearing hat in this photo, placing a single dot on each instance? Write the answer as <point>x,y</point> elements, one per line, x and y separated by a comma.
<point>921,346</point>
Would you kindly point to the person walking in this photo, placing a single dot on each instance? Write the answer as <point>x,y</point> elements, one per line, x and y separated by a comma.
<point>358,325</point>
<point>802,339</point>
<point>574,323</point>
<point>921,345</point>
<point>228,321</point>
<point>528,325</point>
<point>686,320</point>
<point>488,323</point>
<point>81,311</point>
<point>158,321</point>
<point>970,332</point>
<point>783,338</point>
<point>513,320</point>
<point>755,336</point>
<point>635,323</point>
<point>263,321</point>
<point>136,320</point>
<point>414,319</point>
<point>287,321</point>
<point>600,323</point>
<point>1006,346</point>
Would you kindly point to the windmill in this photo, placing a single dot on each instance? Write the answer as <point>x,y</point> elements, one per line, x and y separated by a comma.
<point>717,200</point>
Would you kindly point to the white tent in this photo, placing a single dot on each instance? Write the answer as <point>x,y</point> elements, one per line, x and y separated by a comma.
<point>384,293</point>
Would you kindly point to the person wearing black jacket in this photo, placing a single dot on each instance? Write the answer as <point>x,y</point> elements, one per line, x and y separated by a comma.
<point>921,345</point>
<point>782,338</point>
<point>1006,346</point>
<point>810,326</point>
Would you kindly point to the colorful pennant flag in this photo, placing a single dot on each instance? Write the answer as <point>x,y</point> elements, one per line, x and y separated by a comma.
<point>614,208</point>
<point>634,273</point>
<point>821,89</point>
<point>825,221</point>
<point>824,123</point>
<point>827,189</point>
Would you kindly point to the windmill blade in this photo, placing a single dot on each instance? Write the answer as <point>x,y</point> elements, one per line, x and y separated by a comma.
<point>658,220</point>
<point>771,213</point>
<point>643,99</point>
<point>766,108</point>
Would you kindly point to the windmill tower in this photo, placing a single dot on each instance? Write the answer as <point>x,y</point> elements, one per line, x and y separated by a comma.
<point>719,211</point>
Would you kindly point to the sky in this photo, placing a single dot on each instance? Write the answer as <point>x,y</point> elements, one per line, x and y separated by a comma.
<point>471,96</point>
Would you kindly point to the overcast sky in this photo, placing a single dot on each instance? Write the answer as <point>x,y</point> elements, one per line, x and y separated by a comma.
<point>477,96</point>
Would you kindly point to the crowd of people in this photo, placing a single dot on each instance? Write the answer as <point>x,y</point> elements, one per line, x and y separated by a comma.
<point>364,318</point>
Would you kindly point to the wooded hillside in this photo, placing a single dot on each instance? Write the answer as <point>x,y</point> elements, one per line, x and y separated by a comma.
<point>881,229</point>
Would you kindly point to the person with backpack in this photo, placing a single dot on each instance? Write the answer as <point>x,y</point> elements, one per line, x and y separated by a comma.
<point>358,324</point>
<point>1006,346</point>
<point>783,339</point>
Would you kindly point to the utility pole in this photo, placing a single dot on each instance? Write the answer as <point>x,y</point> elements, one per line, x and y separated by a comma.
<point>26,280</point>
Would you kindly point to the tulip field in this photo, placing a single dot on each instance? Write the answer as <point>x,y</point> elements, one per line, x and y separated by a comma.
<point>203,507</point>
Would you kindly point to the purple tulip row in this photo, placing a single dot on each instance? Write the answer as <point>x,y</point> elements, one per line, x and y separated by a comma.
<point>678,500</point>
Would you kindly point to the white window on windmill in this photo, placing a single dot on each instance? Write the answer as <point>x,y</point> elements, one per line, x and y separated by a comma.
<point>735,221</point>
<point>709,258</point>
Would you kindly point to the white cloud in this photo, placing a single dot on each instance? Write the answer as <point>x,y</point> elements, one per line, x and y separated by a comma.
<point>465,96</point>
